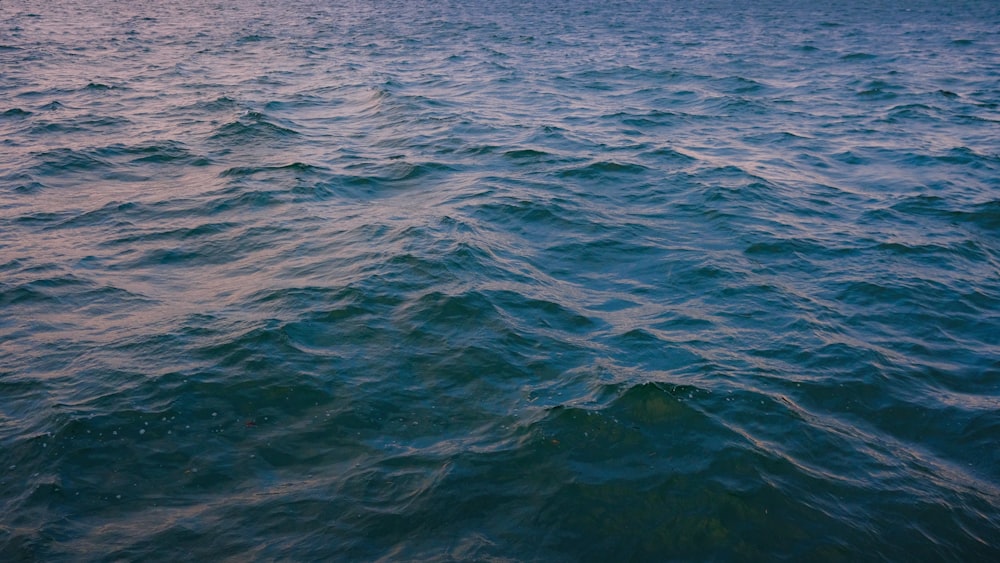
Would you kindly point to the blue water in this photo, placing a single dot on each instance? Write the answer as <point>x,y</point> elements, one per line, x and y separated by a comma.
<point>499,281</point>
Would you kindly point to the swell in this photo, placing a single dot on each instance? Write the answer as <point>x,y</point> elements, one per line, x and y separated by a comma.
<point>403,282</point>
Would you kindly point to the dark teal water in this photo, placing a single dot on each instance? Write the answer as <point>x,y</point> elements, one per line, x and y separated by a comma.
<point>499,281</point>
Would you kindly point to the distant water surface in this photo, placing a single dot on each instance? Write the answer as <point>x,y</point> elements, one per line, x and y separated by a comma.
<point>499,281</point>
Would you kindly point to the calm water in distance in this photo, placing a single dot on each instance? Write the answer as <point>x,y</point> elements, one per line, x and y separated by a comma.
<point>499,281</point>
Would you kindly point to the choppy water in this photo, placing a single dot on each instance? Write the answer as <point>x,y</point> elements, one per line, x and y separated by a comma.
<point>531,281</point>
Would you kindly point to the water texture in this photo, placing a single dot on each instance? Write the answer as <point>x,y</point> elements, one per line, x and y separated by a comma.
<point>499,281</point>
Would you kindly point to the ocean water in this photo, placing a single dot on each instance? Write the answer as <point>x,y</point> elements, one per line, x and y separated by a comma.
<point>499,281</point>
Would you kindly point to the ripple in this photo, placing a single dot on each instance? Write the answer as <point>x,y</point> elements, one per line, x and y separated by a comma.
<point>494,282</point>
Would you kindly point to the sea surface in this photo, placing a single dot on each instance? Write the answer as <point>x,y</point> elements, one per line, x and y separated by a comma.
<point>499,280</point>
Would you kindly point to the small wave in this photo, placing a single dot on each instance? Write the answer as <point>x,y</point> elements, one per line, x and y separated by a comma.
<point>729,106</point>
<point>395,172</point>
<point>82,292</point>
<point>779,138</point>
<point>242,198</point>
<point>29,187</point>
<point>913,111</point>
<point>740,85</point>
<point>201,231</point>
<point>670,155</point>
<point>62,161</point>
<point>256,131</point>
<point>253,127</point>
<point>526,154</point>
<point>296,168</point>
<point>455,315</point>
<point>985,215</point>
<point>222,103</point>
<point>646,120</point>
<point>542,314</point>
<point>42,218</point>
<point>100,87</point>
<point>524,213</point>
<point>119,214</point>
<point>877,94</point>
<point>858,57</point>
<point>167,152</point>
<point>603,169</point>
<point>852,158</point>
<point>209,244</point>
<point>796,248</point>
<point>92,124</point>
<point>14,113</point>
<point>655,352</point>
<point>879,90</point>
<point>254,38</point>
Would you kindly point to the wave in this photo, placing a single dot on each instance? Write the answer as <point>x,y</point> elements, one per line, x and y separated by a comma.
<point>252,127</point>
<point>15,113</point>
<point>556,283</point>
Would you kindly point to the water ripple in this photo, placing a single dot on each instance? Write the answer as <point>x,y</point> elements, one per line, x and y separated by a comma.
<point>499,281</point>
